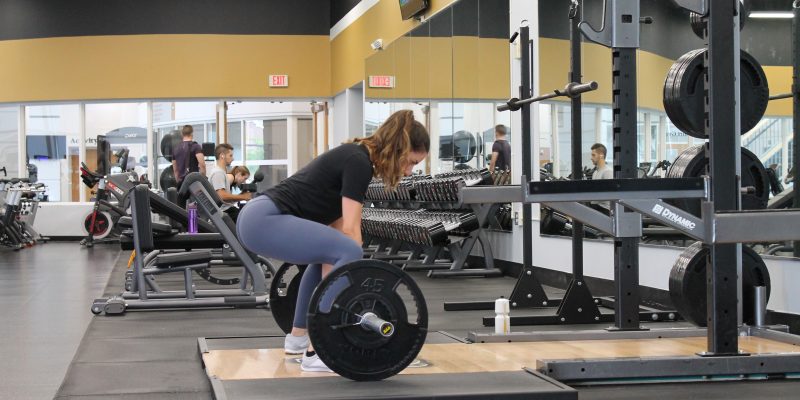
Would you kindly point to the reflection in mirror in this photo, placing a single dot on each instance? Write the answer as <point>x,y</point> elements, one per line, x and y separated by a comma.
<point>465,148</point>
<point>452,70</point>
<point>441,88</point>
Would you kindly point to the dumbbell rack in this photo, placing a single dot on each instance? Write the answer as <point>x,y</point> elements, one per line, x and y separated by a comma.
<point>459,248</point>
<point>439,193</point>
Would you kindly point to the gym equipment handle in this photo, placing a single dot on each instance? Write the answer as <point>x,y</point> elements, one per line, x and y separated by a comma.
<point>571,90</point>
<point>781,96</point>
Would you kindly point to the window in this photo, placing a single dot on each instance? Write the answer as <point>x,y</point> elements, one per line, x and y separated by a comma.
<point>235,139</point>
<point>172,116</point>
<point>446,129</point>
<point>53,141</point>
<point>9,141</point>
<point>305,142</point>
<point>545,136</point>
<point>676,142</point>
<point>641,131</point>
<point>654,137</point>
<point>374,115</point>
<point>588,121</point>
<point>607,133</point>
<point>125,127</point>
<point>564,118</point>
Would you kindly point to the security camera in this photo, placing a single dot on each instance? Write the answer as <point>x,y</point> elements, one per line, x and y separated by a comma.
<point>377,44</point>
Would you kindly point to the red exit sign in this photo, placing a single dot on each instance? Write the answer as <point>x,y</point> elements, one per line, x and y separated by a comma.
<point>279,81</point>
<point>381,81</point>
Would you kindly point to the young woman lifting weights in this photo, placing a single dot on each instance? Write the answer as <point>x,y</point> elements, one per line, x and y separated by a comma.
<point>314,216</point>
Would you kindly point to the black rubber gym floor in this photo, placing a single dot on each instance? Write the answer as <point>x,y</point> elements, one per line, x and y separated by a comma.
<point>153,354</point>
<point>43,292</point>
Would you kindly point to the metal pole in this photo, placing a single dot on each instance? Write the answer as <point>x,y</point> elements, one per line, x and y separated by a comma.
<point>796,108</point>
<point>82,192</point>
<point>577,130</point>
<point>760,305</point>
<point>151,150</point>
<point>22,143</point>
<point>527,170</point>
<point>722,97</point>
<point>626,250</point>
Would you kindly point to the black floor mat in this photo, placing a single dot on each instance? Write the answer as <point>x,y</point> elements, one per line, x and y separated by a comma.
<point>153,354</point>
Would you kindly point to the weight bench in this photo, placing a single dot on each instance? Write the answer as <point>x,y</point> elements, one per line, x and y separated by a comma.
<point>148,261</point>
<point>168,238</point>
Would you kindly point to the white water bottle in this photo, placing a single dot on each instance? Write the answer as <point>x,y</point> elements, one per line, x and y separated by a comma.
<point>502,322</point>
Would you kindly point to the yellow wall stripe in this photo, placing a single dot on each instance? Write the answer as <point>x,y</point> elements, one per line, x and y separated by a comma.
<point>350,48</point>
<point>163,66</point>
<point>652,70</point>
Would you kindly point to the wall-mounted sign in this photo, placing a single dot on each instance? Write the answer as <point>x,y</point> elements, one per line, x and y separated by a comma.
<point>381,81</point>
<point>279,81</point>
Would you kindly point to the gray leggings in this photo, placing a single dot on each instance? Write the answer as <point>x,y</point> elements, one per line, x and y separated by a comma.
<point>266,231</point>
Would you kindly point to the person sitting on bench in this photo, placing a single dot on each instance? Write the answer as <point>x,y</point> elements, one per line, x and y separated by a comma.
<point>221,180</point>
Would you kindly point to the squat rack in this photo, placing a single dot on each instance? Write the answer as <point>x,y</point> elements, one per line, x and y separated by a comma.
<point>720,226</point>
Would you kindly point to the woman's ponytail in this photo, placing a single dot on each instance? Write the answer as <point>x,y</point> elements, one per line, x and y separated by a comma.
<point>389,146</point>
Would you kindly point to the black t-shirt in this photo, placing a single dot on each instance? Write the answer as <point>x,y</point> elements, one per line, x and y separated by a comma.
<point>185,155</point>
<point>315,192</point>
<point>503,150</point>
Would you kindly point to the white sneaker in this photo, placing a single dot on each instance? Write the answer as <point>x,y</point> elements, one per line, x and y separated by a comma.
<point>313,364</point>
<point>295,344</point>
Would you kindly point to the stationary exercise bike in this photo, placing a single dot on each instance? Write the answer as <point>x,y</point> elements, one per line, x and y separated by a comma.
<point>101,223</point>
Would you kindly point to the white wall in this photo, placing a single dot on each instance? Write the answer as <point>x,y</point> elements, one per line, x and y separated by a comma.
<point>265,109</point>
<point>9,137</point>
<point>520,11</point>
<point>655,263</point>
<point>103,118</point>
<point>347,112</point>
<point>186,111</point>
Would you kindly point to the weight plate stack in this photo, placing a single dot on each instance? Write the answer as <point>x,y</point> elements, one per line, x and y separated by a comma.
<point>169,142</point>
<point>698,23</point>
<point>684,95</point>
<point>167,179</point>
<point>688,288</point>
<point>693,163</point>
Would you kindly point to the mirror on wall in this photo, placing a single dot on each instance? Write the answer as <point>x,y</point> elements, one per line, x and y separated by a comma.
<point>454,67</point>
<point>452,70</point>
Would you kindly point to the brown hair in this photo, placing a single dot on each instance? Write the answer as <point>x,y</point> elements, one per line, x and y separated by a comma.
<point>240,169</point>
<point>389,146</point>
<point>221,149</point>
<point>187,130</point>
<point>600,149</point>
<point>500,130</point>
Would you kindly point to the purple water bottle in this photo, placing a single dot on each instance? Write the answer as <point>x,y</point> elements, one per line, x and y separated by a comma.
<point>191,208</point>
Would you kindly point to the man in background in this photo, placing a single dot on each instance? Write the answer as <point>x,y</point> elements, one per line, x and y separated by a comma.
<point>221,180</point>
<point>601,169</point>
<point>501,150</point>
<point>187,156</point>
